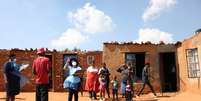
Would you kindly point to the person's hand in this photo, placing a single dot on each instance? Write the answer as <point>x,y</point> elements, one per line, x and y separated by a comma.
<point>68,60</point>
<point>6,81</point>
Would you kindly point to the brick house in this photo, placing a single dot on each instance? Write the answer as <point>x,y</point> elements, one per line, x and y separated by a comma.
<point>188,56</point>
<point>174,67</point>
<point>160,56</point>
<point>57,59</point>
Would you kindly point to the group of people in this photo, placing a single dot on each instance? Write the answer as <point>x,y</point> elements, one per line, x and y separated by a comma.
<point>128,79</point>
<point>14,80</point>
<point>97,79</point>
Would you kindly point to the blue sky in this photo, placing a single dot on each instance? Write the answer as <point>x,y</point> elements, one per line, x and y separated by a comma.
<point>86,24</point>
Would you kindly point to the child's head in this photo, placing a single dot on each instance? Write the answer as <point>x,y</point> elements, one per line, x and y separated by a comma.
<point>128,82</point>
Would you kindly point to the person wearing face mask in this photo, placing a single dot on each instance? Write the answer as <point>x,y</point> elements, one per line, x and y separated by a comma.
<point>12,78</point>
<point>72,82</point>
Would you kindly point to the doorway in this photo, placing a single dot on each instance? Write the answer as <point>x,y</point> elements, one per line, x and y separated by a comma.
<point>168,72</point>
<point>137,61</point>
<point>51,69</point>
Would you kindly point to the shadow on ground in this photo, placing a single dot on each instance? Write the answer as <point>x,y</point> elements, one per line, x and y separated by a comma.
<point>15,98</point>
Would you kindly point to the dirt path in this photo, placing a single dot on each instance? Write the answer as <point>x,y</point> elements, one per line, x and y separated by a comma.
<point>54,96</point>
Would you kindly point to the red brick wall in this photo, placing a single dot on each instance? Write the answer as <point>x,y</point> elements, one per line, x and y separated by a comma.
<point>27,57</point>
<point>3,58</point>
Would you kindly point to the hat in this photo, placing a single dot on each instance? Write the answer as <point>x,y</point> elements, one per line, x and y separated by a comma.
<point>41,51</point>
<point>12,56</point>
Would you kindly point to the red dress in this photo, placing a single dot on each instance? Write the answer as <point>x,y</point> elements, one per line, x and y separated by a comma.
<point>92,83</point>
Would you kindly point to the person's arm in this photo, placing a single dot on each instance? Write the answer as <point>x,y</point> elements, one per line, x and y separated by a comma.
<point>99,72</point>
<point>33,68</point>
<point>5,78</point>
<point>65,66</point>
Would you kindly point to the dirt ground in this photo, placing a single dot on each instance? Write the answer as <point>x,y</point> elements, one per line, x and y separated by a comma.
<point>54,96</point>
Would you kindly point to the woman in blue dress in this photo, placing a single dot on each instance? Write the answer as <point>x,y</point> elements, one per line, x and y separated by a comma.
<point>72,82</point>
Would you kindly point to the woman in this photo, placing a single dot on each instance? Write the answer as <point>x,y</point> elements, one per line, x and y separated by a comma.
<point>72,82</point>
<point>12,78</point>
<point>92,84</point>
<point>125,76</point>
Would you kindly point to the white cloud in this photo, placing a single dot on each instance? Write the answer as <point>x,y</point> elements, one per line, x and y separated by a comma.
<point>91,20</point>
<point>156,7</point>
<point>69,39</point>
<point>85,21</point>
<point>154,35</point>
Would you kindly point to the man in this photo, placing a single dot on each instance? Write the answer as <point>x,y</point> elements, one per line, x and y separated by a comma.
<point>145,79</point>
<point>41,69</point>
<point>12,78</point>
<point>104,71</point>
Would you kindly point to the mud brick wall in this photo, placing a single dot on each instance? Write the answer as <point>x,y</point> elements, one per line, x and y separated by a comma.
<point>187,83</point>
<point>114,56</point>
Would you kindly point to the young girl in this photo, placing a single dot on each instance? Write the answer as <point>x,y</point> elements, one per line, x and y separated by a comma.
<point>114,88</point>
<point>128,91</point>
<point>102,86</point>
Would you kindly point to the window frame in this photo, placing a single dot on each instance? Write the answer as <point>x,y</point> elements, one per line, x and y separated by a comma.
<point>88,57</point>
<point>192,63</point>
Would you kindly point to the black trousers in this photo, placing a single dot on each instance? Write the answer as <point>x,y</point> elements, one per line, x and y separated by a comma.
<point>71,93</point>
<point>92,94</point>
<point>41,92</point>
<point>150,86</point>
<point>107,87</point>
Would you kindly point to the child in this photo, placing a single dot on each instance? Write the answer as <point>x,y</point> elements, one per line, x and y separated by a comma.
<point>102,87</point>
<point>128,91</point>
<point>114,88</point>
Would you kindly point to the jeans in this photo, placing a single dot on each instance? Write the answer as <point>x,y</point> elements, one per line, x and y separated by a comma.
<point>41,92</point>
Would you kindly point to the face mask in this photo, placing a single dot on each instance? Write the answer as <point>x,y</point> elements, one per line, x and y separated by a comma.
<point>15,60</point>
<point>74,63</point>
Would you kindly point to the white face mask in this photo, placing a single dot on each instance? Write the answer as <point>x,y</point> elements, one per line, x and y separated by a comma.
<point>74,63</point>
<point>15,60</point>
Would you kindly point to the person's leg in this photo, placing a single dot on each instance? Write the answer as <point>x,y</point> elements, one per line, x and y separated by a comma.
<point>38,93</point>
<point>12,98</point>
<point>90,94</point>
<point>44,92</point>
<point>130,96</point>
<point>151,87</point>
<point>108,88</point>
<point>116,94</point>
<point>70,94</point>
<point>76,95</point>
<point>123,89</point>
<point>113,94</point>
<point>94,95</point>
<point>141,89</point>
<point>104,94</point>
<point>101,94</point>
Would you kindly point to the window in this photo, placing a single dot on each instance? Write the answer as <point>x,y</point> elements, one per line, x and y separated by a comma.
<point>90,59</point>
<point>137,63</point>
<point>193,63</point>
